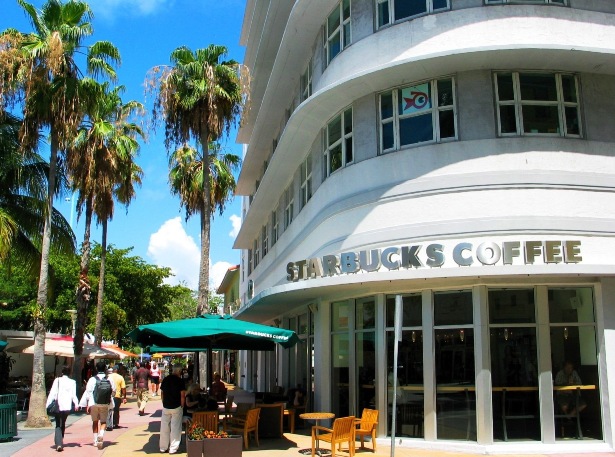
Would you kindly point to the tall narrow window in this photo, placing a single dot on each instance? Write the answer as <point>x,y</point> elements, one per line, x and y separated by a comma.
<point>274,226</point>
<point>542,104</point>
<point>338,142</point>
<point>421,113</point>
<point>289,208</point>
<point>264,240</point>
<point>390,11</point>
<point>306,82</point>
<point>306,181</point>
<point>337,30</point>
<point>256,253</point>
<point>250,266</point>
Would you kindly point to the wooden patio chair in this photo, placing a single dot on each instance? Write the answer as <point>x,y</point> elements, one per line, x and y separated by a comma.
<point>245,426</point>
<point>207,419</point>
<point>343,431</point>
<point>366,426</point>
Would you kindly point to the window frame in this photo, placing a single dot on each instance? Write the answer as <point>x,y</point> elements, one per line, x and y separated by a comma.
<point>343,141</point>
<point>390,19</point>
<point>289,204</point>
<point>275,226</point>
<point>306,180</point>
<point>255,253</point>
<point>306,82</point>
<point>519,103</point>
<point>435,109</point>
<point>265,240</point>
<point>343,27</point>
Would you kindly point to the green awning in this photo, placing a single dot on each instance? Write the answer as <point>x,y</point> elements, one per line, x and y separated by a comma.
<point>3,345</point>
<point>212,331</point>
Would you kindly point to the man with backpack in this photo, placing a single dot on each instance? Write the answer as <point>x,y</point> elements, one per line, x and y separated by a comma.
<point>97,401</point>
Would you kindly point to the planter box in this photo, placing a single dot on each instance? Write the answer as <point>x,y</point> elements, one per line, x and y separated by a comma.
<point>194,448</point>
<point>223,447</point>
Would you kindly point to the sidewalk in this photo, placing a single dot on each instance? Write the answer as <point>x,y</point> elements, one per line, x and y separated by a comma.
<point>139,436</point>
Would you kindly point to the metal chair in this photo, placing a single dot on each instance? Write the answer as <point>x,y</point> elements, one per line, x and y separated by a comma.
<point>245,426</point>
<point>343,431</point>
<point>366,426</point>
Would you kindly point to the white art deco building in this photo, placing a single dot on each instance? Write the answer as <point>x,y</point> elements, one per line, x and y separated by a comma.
<point>457,156</point>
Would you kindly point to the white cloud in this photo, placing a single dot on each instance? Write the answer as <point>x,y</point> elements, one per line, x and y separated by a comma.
<point>113,8</point>
<point>236,221</point>
<point>172,247</point>
<point>216,273</point>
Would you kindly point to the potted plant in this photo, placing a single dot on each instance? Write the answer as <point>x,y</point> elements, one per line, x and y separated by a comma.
<point>195,435</point>
<point>211,443</point>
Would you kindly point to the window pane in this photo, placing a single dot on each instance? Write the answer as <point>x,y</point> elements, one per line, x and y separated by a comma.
<point>452,308</point>
<point>447,124</point>
<point>387,136</point>
<point>383,13</point>
<point>508,121</point>
<point>340,397</point>
<point>334,45</point>
<point>571,305</point>
<point>366,314</point>
<point>540,119</point>
<point>366,370</point>
<point>511,306</point>
<point>411,311</point>
<point>349,153</point>
<point>348,121</point>
<point>445,93</point>
<point>335,130</point>
<point>405,9</point>
<point>569,88</point>
<point>416,129</point>
<point>538,87</point>
<point>335,158</point>
<point>333,21</point>
<point>505,87</point>
<point>339,315</point>
<point>346,8</point>
<point>347,34</point>
<point>386,105</point>
<point>572,120</point>
<point>440,4</point>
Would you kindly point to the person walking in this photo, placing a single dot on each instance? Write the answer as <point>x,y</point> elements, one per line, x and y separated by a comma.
<point>64,392</point>
<point>154,373</point>
<point>97,400</point>
<point>133,378</point>
<point>142,378</point>
<point>118,399</point>
<point>173,395</point>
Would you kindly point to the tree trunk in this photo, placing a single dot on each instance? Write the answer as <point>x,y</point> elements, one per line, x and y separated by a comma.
<point>203,295</point>
<point>37,414</point>
<point>101,286</point>
<point>83,297</point>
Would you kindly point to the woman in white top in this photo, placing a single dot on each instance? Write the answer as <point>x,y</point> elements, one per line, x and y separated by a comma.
<point>154,374</point>
<point>64,391</point>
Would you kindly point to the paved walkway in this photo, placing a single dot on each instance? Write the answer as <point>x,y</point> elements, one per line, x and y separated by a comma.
<point>139,436</point>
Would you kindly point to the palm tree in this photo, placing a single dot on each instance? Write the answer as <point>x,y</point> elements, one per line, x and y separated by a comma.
<point>200,97</point>
<point>40,69</point>
<point>105,144</point>
<point>23,177</point>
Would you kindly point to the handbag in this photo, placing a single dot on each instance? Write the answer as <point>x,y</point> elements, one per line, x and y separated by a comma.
<point>53,407</point>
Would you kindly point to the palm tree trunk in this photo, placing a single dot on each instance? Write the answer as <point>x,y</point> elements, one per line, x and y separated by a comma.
<point>37,414</point>
<point>83,296</point>
<point>101,286</point>
<point>203,295</point>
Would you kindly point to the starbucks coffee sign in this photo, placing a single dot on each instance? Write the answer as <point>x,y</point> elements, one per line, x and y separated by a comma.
<point>435,255</point>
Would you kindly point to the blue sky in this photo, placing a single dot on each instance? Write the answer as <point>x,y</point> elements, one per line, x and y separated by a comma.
<point>146,32</point>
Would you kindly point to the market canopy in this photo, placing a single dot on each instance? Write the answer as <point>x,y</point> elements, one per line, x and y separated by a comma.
<point>64,348</point>
<point>211,331</point>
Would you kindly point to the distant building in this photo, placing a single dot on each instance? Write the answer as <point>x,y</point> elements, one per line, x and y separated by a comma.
<point>457,157</point>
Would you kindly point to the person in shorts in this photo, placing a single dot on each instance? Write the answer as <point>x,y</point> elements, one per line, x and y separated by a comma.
<point>154,374</point>
<point>98,412</point>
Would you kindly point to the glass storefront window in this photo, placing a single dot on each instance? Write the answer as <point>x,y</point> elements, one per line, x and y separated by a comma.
<point>339,316</point>
<point>514,365</point>
<point>303,324</point>
<point>453,308</point>
<point>574,354</point>
<point>366,314</point>
<point>411,309</point>
<point>340,375</point>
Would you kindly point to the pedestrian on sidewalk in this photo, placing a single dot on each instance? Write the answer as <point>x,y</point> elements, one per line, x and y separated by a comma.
<point>118,399</point>
<point>142,378</point>
<point>154,373</point>
<point>97,399</point>
<point>133,378</point>
<point>173,395</point>
<point>64,391</point>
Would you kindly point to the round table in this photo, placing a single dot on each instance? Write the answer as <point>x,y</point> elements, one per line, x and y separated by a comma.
<point>315,416</point>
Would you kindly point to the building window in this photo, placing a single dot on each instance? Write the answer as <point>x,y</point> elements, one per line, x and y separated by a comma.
<point>420,113</point>
<point>306,181</point>
<point>256,253</point>
<point>338,143</point>
<point>337,30</point>
<point>390,11</point>
<point>249,262</point>
<point>264,240</point>
<point>274,226</point>
<point>537,104</point>
<point>548,2</point>
<point>306,82</point>
<point>289,208</point>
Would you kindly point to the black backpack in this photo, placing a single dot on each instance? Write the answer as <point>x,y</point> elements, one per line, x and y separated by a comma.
<point>102,391</point>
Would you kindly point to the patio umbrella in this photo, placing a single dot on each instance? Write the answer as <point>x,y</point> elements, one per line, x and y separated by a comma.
<point>64,348</point>
<point>3,345</point>
<point>121,353</point>
<point>211,331</point>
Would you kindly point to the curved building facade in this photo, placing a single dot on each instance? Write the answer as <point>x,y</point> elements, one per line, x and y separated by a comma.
<point>453,160</point>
